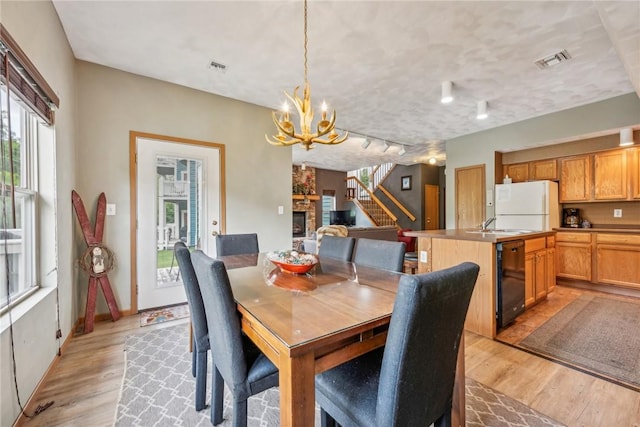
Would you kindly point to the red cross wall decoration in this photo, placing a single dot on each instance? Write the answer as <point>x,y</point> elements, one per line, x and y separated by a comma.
<point>97,259</point>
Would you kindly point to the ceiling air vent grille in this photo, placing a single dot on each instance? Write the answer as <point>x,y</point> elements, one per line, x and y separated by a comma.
<point>218,66</point>
<point>552,60</point>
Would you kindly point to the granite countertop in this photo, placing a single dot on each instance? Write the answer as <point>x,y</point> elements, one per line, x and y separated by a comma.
<point>476,235</point>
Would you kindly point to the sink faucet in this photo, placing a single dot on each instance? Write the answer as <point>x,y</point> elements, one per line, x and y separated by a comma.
<point>485,224</point>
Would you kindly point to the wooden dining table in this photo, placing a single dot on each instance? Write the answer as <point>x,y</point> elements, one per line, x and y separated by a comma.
<point>309,323</point>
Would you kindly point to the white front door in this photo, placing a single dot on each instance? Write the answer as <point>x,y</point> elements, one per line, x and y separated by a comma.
<point>178,198</point>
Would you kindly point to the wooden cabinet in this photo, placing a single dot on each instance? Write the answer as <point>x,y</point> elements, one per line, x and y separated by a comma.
<point>575,179</point>
<point>518,172</point>
<point>573,255</point>
<point>532,171</point>
<point>551,264</point>
<point>551,270</point>
<point>634,172</point>
<point>610,175</point>
<point>535,271</point>
<point>544,169</point>
<point>618,259</point>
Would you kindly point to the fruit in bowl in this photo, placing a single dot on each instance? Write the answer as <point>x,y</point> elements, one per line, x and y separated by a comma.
<point>293,261</point>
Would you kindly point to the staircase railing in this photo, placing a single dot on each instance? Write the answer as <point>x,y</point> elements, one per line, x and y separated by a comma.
<point>397,202</point>
<point>353,182</point>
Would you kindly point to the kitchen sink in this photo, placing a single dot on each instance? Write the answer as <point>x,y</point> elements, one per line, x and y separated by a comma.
<point>507,232</point>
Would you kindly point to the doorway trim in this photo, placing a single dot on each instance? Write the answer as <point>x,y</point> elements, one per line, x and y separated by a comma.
<point>133,185</point>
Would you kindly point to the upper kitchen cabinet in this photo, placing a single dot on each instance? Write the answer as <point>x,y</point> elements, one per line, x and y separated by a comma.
<point>544,169</point>
<point>610,175</point>
<point>518,172</point>
<point>532,171</point>
<point>602,176</point>
<point>634,172</point>
<point>575,179</point>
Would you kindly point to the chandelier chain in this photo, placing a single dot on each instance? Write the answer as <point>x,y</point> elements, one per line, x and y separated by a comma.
<point>306,39</point>
<point>324,132</point>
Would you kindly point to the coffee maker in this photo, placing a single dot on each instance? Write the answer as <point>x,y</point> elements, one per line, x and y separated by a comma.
<point>571,218</point>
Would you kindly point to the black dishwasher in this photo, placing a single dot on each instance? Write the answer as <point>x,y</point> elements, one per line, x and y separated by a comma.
<point>510,281</point>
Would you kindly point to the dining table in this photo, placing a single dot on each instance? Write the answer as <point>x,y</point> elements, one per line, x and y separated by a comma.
<point>309,323</point>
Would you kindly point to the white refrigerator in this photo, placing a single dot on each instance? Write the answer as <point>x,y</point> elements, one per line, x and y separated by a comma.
<point>527,206</point>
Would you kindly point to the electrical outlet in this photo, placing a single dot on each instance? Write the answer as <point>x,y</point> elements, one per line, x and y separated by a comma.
<point>111,209</point>
<point>617,213</point>
<point>423,256</point>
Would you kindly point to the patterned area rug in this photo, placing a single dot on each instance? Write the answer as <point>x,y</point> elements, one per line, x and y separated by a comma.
<point>164,314</point>
<point>596,334</point>
<point>157,390</point>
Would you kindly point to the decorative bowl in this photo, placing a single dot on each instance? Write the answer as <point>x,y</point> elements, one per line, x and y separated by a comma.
<point>293,261</point>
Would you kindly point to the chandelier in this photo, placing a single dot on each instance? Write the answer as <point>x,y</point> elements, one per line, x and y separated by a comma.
<point>287,133</point>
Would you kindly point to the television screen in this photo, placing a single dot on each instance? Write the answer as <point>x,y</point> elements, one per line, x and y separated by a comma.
<point>342,218</point>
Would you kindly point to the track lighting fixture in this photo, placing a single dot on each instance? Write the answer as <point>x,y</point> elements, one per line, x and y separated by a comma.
<point>626,137</point>
<point>366,143</point>
<point>482,110</point>
<point>447,94</point>
<point>385,147</point>
<point>402,151</point>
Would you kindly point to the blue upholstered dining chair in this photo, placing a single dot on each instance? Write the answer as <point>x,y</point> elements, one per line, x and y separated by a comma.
<point>236,244</point>
<point>200,331</point>
<point>410,381</point>
<point>240,363</point>
<point>335,247</point>
<point>382,254</point>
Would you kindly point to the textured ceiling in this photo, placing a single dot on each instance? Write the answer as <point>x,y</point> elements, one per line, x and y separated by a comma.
<point>379,64</point>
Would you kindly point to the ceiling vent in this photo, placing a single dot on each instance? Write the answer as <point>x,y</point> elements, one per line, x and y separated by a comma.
<point>552,60</point>
<point>221,68</point>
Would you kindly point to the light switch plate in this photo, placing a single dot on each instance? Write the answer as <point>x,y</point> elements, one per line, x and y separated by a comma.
<point>423,256</point>
<point>280,210</point>
<point>111,209</point>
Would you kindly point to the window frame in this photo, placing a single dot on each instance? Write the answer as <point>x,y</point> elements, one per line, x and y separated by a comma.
<point>26,201</point>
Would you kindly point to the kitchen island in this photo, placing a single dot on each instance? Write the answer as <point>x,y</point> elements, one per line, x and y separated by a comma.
<point>439,249</point>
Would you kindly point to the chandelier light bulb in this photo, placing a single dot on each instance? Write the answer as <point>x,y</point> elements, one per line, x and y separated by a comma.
<point>432,161</point>
<point>447,94</point>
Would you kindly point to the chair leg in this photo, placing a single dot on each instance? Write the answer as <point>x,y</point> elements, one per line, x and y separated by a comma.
<point>239,413</point>
<point>193,358</point>
<point>217,396</point>
<point>201,379</point>
<point>326,420</point>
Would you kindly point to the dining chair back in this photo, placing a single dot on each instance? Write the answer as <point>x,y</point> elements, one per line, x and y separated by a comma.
<point>236,244</point>
<point>240,363</point>
<point>410,381</point>
<point>340,248</point>
<point>382,254</point>
<point>199,327</point>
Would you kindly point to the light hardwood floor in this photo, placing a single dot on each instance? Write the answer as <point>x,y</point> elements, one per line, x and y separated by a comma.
<point>85,382</point>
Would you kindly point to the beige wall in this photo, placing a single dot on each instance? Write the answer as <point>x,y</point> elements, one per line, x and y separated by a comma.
<point>34,322</point>
<point>98,108</point>
<point>112,103</point>
<point>479,148</point>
